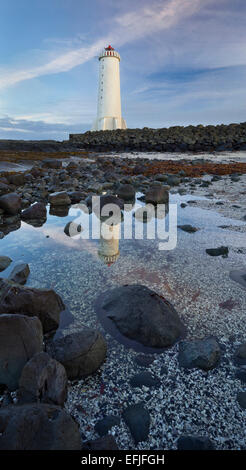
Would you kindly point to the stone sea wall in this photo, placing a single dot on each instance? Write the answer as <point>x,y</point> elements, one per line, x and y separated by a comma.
<point>173,139</point>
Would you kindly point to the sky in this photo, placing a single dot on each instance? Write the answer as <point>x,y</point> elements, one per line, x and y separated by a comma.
<point>182,62</point>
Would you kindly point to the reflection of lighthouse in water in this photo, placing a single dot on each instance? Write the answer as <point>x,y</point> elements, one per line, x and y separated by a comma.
<point>108,249</point>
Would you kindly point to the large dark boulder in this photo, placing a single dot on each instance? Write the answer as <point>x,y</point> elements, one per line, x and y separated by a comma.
<point>10,203</point>
<point>4,262</point>
<point>126,192</point>
<point>202,353</point>
<point>106,200</point>
<point>20,273</point>
<point>157,194</point>
<point>46,304</point>
<point>20,338</point>
<point>38,427</point>
<point>75,196</point>
<point>81,353</point>
<point>43,379</point>
<point>142,315</point>
<point>35,212</point>
<point>59,198</point>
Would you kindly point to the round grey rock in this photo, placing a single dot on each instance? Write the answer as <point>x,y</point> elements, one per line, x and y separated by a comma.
<point>45,304</point>
<point>44,380</point>
<point>10,203</point>
<point>203,353</point>
<point>38,427</point>
<point>21,338</point>
<point>142,315</point>
<point>81,353</point>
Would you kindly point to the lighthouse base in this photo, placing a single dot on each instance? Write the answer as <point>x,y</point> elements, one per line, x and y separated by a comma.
<point>108,124</point>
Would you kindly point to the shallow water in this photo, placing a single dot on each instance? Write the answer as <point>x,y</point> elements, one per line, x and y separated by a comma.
<point>82,269</point>
<point>215,157</point>
<point>199,286</point>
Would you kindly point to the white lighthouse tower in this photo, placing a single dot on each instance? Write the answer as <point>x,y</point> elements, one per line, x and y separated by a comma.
<point>109,103</point>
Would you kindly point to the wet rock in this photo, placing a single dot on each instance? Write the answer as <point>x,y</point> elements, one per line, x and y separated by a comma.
<point>42,303</point>
<point>240,355</point>
<point>34,212</point>
<point>75,196</point>
<point>4,262</point>
<point>203,353</point>
<point>143,360</point>
<point>126,192</point>
<point>188,228</point>
<point>38,427</point>
<point>1,235</point>
<point>99,206</point>
<point>52,163</point>
<point>10,203</point>
<point>72,229</point>
<point>141,314</point>
<point>241,398</point>
<point>194,443</point>
<point>59,199</point>
<point>11,220</point>
<point>20,338</point>
<point>104,425</point>
<point>241,374</point>
<point>157,194</point>
<point>59,211</point>
<point>137,419</point>
<point>221,251</point>
<point>173,180</point>
<point>81,353</point>
<point>144,378</point>
<point>20,273</point>
<point>103,443</point>
<point>44,380</point>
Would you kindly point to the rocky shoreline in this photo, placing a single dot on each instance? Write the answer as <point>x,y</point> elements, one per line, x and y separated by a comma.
<point>173,139</point>
<point>50,371</point>
<point>218,138</point>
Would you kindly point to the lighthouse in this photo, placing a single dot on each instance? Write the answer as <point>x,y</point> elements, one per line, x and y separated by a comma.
<point>109,102</point>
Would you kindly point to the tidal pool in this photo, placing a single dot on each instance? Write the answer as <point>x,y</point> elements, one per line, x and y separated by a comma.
<point>199,286</point>
<point>82,269</point>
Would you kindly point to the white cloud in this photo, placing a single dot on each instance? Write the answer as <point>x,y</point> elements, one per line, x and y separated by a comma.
<point>130,26</point>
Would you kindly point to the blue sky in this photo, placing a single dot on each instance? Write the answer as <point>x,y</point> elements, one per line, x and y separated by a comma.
<point>183,62</point>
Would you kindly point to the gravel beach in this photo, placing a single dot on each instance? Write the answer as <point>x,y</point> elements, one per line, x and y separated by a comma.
<point>206,291</point>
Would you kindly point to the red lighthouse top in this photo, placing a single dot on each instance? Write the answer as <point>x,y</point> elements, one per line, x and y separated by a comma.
<point>109,48</point>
